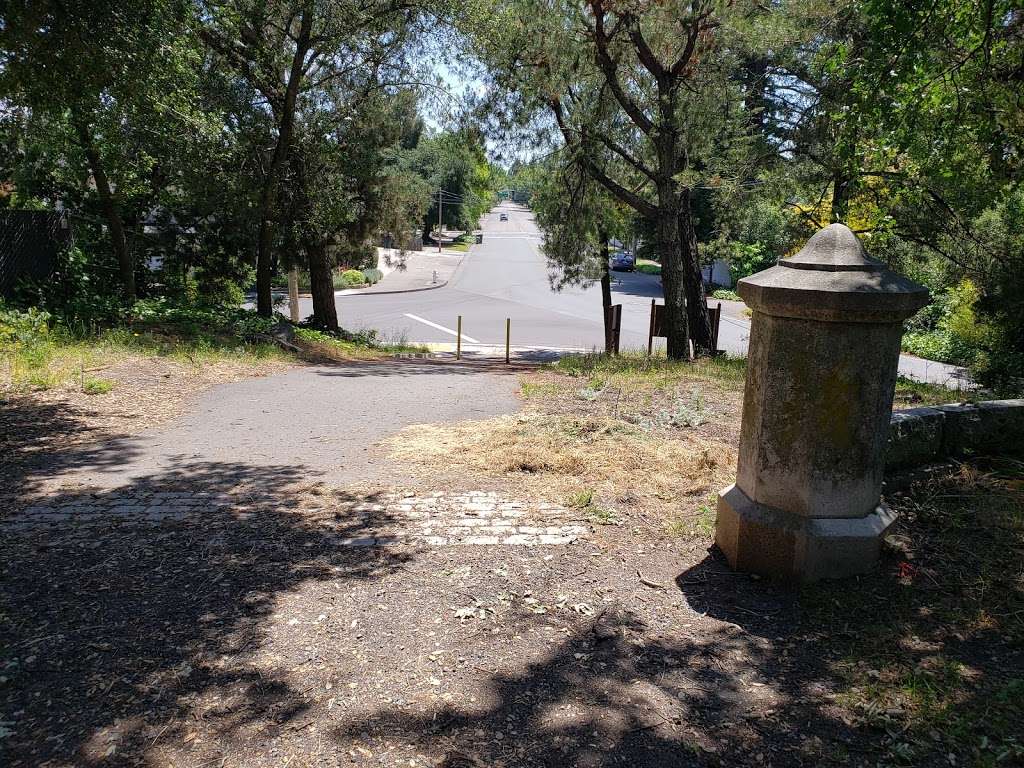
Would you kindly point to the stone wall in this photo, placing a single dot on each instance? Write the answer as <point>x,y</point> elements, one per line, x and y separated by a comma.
<point>923,435</point>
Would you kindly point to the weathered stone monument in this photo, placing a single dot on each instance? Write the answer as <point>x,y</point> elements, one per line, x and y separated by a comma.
<point>821,372</point>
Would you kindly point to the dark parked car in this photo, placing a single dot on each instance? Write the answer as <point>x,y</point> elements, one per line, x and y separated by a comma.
<point>622,261</point>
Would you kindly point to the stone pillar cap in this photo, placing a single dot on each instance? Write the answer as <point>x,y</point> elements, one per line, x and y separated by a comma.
<point>833,279</point>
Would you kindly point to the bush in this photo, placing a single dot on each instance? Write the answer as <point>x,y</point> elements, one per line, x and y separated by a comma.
<point>725,294</point>
<point>198,319</point>
<point>745,260</point>
<point>353,278</point>
<point>948,329</point>
<point>26,328</point>
<point>372,275</point>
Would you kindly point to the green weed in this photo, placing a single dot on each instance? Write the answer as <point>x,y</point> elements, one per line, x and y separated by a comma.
<point>97,386</point>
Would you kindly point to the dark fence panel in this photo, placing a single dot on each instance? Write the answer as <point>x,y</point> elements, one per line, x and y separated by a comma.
<point>30,242</point>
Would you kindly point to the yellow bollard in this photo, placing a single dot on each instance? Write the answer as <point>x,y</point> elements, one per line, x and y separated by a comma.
<point>458,339</point>
<point>508,336</point>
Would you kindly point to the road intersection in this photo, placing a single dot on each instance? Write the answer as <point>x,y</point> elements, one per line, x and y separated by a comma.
<point>507,276</point>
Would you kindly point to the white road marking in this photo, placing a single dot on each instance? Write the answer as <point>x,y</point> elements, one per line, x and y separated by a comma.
<point>419,319</point>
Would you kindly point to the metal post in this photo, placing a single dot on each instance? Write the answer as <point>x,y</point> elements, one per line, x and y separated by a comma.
<point>508,337</point>
<point>458,339</point>
<point>650,332</point>
<point>439,224</point>
<point>715,328</point>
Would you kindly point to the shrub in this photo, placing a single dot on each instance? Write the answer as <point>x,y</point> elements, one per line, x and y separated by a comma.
<point>948,329</point>
<point>97,386</point>
<point>725,294</point>
<point>745,260</point>
<point>372,275</point>
<point>26,328</point>
<point>353,278</point>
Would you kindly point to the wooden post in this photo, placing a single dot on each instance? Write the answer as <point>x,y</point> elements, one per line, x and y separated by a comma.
<point>613,322</point>
<point>458,339</point>
<point>293,294</point>
<point>508,337</point>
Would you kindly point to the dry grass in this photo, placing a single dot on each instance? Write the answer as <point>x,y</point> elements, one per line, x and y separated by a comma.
<point>622,469</point>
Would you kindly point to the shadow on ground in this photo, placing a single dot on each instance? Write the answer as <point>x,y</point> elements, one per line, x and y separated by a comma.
<point>40,439</point>
<point>611,695</point>
<point>113,629</point>
<point>470,366</point>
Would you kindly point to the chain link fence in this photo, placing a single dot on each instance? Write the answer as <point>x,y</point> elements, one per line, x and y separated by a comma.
<point>30,244</point>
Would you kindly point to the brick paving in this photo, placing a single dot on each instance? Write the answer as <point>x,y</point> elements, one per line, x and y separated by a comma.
<point>438,518</point>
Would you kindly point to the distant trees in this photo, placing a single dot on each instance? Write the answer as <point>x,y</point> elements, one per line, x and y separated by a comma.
<point>454,164</point>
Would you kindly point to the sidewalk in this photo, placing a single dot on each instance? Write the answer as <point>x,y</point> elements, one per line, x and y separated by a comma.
<point>412,271</point>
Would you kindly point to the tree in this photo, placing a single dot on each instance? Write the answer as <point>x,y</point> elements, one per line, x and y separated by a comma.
<point>578,218</point>
<point>288,50</point>
<point>455,166</point>
<point>640,94</point>
<point>342,171</point>
<point>117,75</point>
<point>904,120</point>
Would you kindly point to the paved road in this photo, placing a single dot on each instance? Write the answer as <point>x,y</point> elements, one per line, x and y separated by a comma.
<point>507,277</point>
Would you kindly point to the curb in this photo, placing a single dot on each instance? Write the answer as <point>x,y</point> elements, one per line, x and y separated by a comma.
<point>442,284</point>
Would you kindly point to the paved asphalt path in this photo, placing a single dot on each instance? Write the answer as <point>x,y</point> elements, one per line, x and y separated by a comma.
<point>507,277</point>
<point>321,422</point>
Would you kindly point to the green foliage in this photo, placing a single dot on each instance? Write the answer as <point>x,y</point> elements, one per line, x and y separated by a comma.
<point>192,320</point>
<point>27,328</point>
<point>373,275</point>
<point>746,259</point>
<point>725,295</point>
<point>97,386</point>
<point>353,278</point>
<point>455,163</point>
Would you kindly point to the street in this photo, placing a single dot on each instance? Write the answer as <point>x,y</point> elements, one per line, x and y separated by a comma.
<point>507,276</point>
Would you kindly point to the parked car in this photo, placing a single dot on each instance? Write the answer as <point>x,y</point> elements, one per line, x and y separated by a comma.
<point>503,217</point>
<point>622,261</point>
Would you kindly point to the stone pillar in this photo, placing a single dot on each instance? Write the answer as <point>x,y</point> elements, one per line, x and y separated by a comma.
<point>821,372</point>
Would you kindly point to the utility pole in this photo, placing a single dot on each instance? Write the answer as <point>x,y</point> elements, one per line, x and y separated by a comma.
<point>439,225</point>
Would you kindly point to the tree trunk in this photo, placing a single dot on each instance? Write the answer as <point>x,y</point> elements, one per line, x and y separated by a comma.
<point>293,294</point>
<point>673,278</point>
<point>321,285</point>
<point>698,318</point>
<point>264,243</point>
<point>606,292</point>
<point>272,179</point>
<point>111,209</point>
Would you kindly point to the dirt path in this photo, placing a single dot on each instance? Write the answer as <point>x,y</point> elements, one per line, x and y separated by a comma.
<point>212,600</point>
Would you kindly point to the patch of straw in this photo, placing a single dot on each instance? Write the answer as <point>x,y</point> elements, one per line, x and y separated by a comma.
<point>552,455</point>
